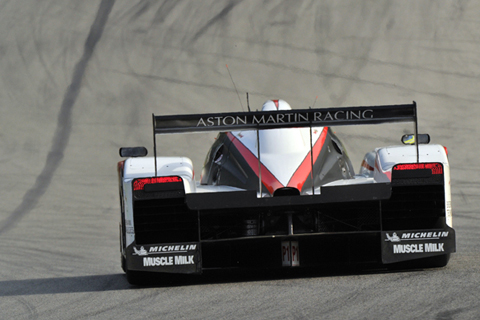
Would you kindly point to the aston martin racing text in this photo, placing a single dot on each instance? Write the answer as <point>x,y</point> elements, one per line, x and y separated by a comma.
<point>285,118</point>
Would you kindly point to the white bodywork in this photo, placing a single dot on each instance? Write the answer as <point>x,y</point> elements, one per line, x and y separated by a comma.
<point>272,147</point>
<point>166,166</point>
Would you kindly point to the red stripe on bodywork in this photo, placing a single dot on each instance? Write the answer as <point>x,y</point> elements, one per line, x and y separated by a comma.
<point>304,170</point>
<point>276,103</point>
<point>367,166</point>
<point>268,179</point>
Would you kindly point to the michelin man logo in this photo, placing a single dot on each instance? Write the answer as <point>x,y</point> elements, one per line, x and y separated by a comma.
<point>393,238</point>
<point>141,252</point>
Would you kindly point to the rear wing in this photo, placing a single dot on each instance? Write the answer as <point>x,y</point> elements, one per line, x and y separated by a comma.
<point>261,120</point>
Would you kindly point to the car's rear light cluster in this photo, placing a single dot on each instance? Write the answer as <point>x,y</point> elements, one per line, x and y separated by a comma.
<point>139,184</point>
<point>436,168</point>
<point>158,188</point>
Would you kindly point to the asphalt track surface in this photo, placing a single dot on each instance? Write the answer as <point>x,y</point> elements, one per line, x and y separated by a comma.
<point>79,79</point>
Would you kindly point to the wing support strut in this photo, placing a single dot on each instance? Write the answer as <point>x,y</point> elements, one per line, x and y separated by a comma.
<point>259,165</point>
<point>154,144</point>
<point>311,160</point>
<point>416,129</point>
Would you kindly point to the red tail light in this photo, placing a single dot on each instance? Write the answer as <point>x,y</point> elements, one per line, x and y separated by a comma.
<point>436,168</point>
<point>139,184</point>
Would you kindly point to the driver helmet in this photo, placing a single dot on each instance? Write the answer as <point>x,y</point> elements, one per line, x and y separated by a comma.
<point>273,105</point>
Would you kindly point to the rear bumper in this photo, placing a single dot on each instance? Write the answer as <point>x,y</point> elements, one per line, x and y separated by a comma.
<point>312,250</point>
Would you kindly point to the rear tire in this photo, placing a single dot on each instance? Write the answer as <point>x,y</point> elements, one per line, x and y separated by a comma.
<point>124,263</point>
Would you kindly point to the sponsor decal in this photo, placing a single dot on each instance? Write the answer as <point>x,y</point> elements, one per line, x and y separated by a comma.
<point>408,236</point>
<point>407,245</point>
<point>130,230</point>
<point>418,248</point>
<point>324,117</point>
<point>172,258</point>
<point>168,261</point>
<point>276,118</point>
<point>179,248</point>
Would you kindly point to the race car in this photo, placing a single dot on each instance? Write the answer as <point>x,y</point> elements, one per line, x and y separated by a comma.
<point>278,190</point>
